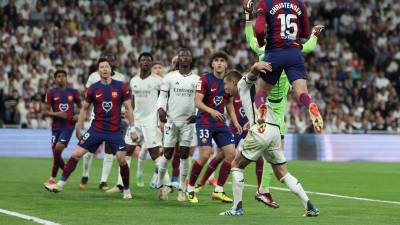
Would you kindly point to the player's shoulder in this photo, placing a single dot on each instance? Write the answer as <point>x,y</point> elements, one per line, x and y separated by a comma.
<point>118,76</point>
<point>72,90</point>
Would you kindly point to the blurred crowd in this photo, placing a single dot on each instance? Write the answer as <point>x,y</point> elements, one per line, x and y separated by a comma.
<point>353,73</point>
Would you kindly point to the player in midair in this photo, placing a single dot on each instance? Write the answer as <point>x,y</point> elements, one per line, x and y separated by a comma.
<point>60,106</point>
<point>263,140</point>
<point>107,97</point>
<point>176,109</point>
<point>278,97</point>
<point>287,21</point>
<point>108,156</point>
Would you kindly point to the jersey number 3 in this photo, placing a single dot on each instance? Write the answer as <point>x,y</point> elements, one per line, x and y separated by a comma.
<point>289,27</point>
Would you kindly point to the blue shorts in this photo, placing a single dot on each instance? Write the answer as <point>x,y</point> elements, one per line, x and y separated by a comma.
<point>221,135</point>
<point>92,139</point>
<point>289,60</point>
<point>239,137</point>
<point>61,136</point>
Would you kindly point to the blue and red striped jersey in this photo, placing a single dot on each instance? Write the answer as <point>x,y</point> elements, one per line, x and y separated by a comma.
<point>63,100</point>
<point>240,114</point>
<point>214,97</point>
<point>107,102</point>
<point>287,21</point>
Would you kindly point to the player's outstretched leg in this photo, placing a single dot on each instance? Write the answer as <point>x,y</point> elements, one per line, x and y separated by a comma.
<point>87,163</point>
<point>295,186</point>
<point>68,169</point>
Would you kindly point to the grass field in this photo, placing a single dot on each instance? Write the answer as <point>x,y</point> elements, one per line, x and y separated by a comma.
<point>21,191</point>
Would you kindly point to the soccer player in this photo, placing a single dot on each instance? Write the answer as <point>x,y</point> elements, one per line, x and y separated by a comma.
<point>158,69</point>
<point>108,156</point>
<point>60,105</point>
<point>176,109</point>
<point>145,89</point>
<point>211,100</point>
<point>107,97</point>
<point>287,22</point>
<point>263,139</point>
<point>277,98</point>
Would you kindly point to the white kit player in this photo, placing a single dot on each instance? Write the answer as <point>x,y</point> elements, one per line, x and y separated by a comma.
<point>263,139</point>
<point>177,110</point>
<point>108,156</point>
<point>145,89</point>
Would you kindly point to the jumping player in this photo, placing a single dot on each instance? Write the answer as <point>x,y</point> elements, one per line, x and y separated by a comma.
<point>277,98</point>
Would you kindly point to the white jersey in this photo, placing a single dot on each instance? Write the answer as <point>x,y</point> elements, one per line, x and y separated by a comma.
<point>95,77</point>
<point>181,91</point>
<point>249,106</point>
<point>145,92</point>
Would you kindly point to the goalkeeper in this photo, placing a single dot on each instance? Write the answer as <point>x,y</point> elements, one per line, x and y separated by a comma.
<point>278,97</point>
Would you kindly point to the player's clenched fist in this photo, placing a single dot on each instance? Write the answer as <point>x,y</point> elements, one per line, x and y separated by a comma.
<point>317,30</point>
<point>248,6</point>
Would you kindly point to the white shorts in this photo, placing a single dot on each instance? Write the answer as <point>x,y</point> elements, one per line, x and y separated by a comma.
<point>149,136</point>
<point>266,144</point>
<point>178,133</point>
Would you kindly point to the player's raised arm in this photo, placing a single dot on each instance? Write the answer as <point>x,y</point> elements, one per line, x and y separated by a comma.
<point>249,32</point>
<point>311,44</point>
<point>198,100</point>
<point>260,23</point>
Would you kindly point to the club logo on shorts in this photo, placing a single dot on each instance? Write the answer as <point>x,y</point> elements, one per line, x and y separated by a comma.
<point>114,94</point>
<point>242,113</point>
<point>70,98</point>
<point>218,100</point>
<point>107,106</point>
<point>204,140</point>
<point>63,107</point>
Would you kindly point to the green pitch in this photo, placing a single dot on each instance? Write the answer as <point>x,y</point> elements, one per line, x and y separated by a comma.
<point>22,191</point>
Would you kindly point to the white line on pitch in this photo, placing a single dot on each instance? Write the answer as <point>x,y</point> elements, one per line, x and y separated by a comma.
<point>332,195</point>
<point>26,217</point>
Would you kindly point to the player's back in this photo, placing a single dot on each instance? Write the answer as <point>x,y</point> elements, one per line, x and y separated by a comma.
<point>107,102</point>
<point>215,97</point>
<point>181,95</point>
<point>145,92</point>
<point>63,100</point>
<point>287,22</point>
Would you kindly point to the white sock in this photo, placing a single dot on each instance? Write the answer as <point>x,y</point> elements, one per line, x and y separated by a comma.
<point>162,169</point>
<point>183,173</point>
<point>295,186</point>
<point>219,189</point>
<point>237,187</point>
<point>61,183</point>
<point>190,162</point>
<point>128,160</point>
<point>87,162</point>
<point>107,165</point>
<point>141,159</point>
